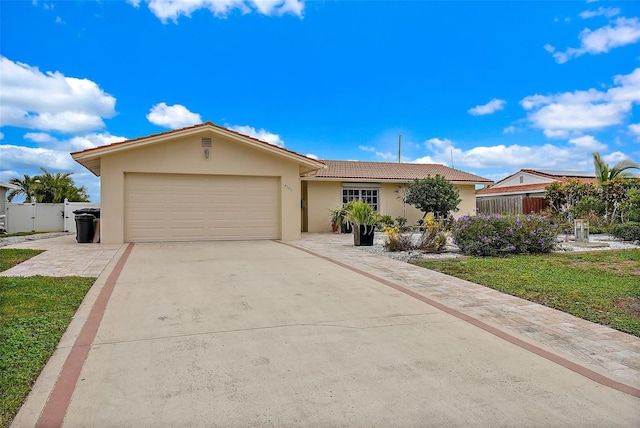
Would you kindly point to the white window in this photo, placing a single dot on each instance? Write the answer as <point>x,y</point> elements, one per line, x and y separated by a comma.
<point>367,195</point>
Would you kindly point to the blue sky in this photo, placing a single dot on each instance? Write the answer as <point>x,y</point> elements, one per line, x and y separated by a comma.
<point>498,86</point>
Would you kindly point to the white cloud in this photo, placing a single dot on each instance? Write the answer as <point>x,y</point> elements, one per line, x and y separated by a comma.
<point>77,143</point>
<point>509,130</point>
<point>367,148</point>
<point>575,155</point>
<point>588,143</point>
<point>620,32</point>
<point>175,116</point>
<point>89,141</point>
<point>387,156</point>
<point>260,134</point>
<point>561,114</point>
<point>488,108</point>
<point>50,101</point>
<point>312,156</point>
<point>635,130</point>
<point>608,12</point>
<point>615,157</point>
<point>172,10</point>
<point>39,137</point>
<point>1,135</point>
<point>20,157</point>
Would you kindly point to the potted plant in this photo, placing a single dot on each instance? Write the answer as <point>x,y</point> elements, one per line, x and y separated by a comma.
<point>364,220</point>
<point>345,225</point>
<point>337,216</point>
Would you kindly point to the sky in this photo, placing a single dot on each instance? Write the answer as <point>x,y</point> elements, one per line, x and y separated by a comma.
<point>489,87</point>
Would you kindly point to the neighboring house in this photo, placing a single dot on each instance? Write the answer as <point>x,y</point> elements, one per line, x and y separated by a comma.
<point>206,182</point>
<point>4,188</point>
<point>523,192</point>
<point>381,184</point>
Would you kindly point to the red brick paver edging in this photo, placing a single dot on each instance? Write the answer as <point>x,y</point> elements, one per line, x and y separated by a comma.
<point>59,399</point>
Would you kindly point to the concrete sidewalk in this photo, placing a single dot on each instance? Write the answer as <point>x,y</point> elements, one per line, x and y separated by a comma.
<point>262,334</point>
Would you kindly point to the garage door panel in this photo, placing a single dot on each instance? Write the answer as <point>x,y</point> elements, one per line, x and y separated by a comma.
<point>167,207</point>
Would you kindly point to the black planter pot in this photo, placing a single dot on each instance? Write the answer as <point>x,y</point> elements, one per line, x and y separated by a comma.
<point>345,227</point>
<point>363,235</point>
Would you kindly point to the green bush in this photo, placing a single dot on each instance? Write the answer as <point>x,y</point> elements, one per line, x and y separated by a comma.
<point>595,229</point>
<point>629,231</point>
<point>496,235</point>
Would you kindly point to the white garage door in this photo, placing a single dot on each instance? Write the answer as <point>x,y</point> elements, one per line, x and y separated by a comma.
<point>174,207</point>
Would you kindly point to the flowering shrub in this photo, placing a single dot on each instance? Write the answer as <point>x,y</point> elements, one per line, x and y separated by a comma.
<point>433,238</point>
<point>396,241</point>
<point>495,235</point>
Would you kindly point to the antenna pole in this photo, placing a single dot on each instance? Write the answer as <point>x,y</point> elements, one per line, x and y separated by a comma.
<point>451,158</point>
<point>399,146</point>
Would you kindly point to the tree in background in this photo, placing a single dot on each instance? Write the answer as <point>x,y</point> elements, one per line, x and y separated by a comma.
<point>24,186</point>
<point>604,173</point>
<point>48,188</point>
<point>435,195</point>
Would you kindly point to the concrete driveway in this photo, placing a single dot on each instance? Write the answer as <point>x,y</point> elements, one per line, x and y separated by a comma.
<point>263,334</point>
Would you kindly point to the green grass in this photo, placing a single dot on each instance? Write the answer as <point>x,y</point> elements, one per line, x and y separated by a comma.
<point>34,313</point>
<point>10,257</point>
<point>599,286</point>
<point>7,235</point>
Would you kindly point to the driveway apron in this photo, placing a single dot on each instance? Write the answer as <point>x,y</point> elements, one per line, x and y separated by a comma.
<point>263,334</point>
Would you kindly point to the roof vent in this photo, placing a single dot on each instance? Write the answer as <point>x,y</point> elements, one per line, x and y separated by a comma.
<point>206,141</point>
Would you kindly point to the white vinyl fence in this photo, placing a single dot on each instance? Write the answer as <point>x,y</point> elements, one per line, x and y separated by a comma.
<point>33,217</point>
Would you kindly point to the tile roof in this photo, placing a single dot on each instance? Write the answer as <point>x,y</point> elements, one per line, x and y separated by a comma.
<point>528,188</point>
<point>523,188</point>
<point>392,171</point>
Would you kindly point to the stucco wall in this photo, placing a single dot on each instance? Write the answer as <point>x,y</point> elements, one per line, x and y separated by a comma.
<point>185,156</point>
<point>322,197</point>
<point>326,195</point>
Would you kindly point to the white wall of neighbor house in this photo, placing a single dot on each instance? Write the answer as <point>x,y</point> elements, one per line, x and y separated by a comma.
<point>326,195</point>
<point>186,156</point>
<point>523,178</point>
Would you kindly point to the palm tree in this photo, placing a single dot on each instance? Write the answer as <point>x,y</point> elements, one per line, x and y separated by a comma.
<point>54,188</point>
<point>24,186</point>
<point>604,173</point>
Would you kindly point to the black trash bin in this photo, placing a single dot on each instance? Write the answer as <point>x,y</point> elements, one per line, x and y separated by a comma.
<point>93,211</point>
<point>84,228</point>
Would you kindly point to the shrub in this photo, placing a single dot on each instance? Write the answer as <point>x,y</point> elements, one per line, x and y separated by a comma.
<point>501,235</point>
<point>396,241</point>
<point>433,238</point>
<point>435,195</point>
<point>629,231</point>
<point>401,222</point>
<point>385,220</point>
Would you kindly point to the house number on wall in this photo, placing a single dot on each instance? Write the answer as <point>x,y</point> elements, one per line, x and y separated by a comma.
<point>289,188</point>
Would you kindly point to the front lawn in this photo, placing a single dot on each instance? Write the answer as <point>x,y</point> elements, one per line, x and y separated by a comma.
<point>599,286</point>
<point>34,313</point>
<point>9,257</point>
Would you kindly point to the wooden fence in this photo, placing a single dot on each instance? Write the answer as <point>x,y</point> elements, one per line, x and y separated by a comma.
<point>510,205</point>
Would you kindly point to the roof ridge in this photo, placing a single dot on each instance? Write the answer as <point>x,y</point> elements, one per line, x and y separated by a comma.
<point>186,128</point>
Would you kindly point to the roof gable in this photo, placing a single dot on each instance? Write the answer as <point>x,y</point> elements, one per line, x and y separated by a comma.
<point>90,158</point>
<point>389,171</point>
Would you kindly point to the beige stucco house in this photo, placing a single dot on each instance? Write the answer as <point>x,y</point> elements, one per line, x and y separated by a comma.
<point>206,182</point>
<point>381,184</point>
